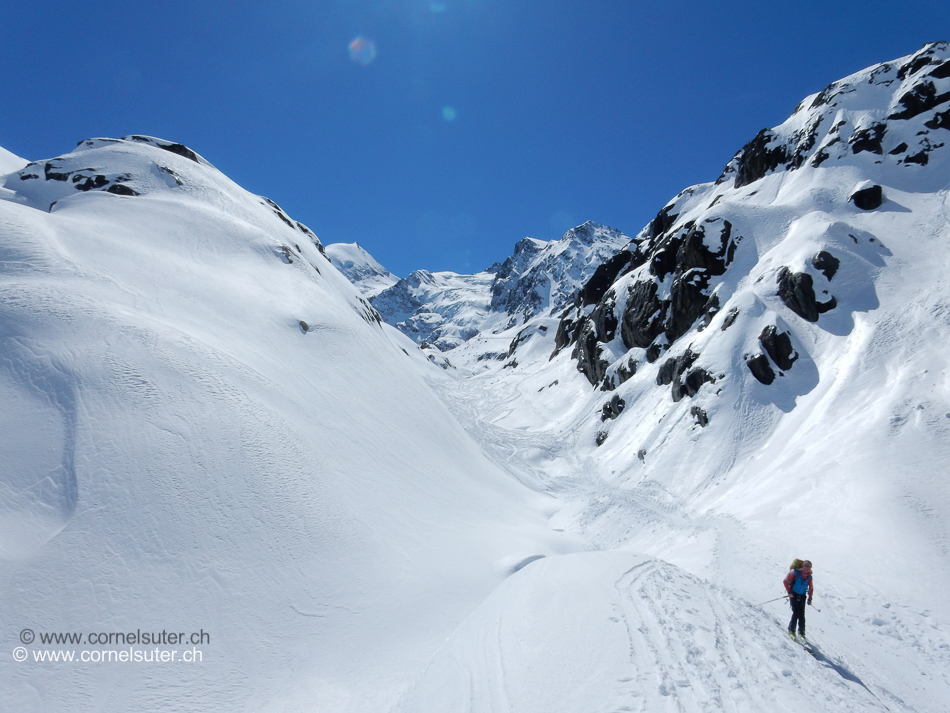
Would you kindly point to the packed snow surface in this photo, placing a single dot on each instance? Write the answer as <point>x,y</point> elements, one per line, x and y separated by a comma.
<point>207,428</point>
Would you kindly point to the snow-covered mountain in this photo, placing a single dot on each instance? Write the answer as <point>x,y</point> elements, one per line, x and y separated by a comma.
<point>756,376</point>
<point>360,268</point>
<point>445,309</point>
<point>206,427</point>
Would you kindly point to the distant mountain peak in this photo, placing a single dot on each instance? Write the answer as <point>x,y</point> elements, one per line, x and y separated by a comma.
<point>446,309</point>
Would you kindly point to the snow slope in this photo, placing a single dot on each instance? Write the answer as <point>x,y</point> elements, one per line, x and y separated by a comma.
<point>206,428</point>
<point>10,162</point>
<point>641,412</point>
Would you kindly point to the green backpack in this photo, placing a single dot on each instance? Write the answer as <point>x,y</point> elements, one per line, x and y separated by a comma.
<point>797,564</point>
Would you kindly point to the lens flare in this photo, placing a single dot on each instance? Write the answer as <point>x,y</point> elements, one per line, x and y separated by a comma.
<point>362,50</point>
<point>449,113</point>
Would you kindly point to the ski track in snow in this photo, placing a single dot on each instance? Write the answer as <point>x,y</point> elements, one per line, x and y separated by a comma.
<point>673,649</point>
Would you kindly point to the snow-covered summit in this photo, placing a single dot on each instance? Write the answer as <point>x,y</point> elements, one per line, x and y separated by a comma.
<point>446,309</point>
<point>360,268</point>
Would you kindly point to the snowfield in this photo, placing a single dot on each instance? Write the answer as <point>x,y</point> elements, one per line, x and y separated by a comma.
<point>561,507</point>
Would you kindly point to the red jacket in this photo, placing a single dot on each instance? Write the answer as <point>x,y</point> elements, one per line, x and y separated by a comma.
<point>790,580</point>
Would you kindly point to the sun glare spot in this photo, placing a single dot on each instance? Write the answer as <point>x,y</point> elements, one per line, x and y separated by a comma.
<point>362,50</point>
<point>437,6</point>
<point>449,113</point>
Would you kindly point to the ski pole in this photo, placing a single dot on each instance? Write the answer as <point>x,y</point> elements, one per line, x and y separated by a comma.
<point>814,607</point>
<point>773,600</point>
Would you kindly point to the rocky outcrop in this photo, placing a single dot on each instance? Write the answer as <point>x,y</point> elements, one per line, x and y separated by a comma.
<point>761,369</point>
<point>826,263</point>
<point>778,345</point>
<point>684,381</point>
<point>869,198</point>
<point>612,408</point>
<point>797,291</point>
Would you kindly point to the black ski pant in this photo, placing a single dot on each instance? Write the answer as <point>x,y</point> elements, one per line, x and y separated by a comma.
<point>798,612</point>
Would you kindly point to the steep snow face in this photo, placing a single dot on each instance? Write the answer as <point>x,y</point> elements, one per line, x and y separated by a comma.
<point>446,309</point>
<point>206,427</point>
<point>10,162</point>
<point>360,268</point>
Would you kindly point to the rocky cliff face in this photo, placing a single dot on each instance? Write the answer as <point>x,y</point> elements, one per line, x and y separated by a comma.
<point>769,237</point>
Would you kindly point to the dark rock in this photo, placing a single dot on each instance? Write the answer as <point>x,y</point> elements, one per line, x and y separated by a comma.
<point>28,176</point>
<point>612,408</point>
<point>827,306</point>
<point>604,320</point>
<point>601,438</point>
<point>942,71</point>
<point>920,158</point>
<point>563,335</point>
<point>671,373</point>
<point>664,255</point>
<point>304,326</point>
<point>899,149</point>
<point>587,352</point>
<point>760,368</point>
<point>941,120</point>
<point>693,252</point>
<point>798,293</point>
<point>88,183</point>
<point>914,66</point>
<point>756,159</point>
<point>778,345</point>
<point>625,371</point>
<point>701,418</point>
<point>819,158</point>
<point>642,454</point>
<point>278,211</point>
<point>687,300</point>
<point>729,319</point>
<point>923,97</point>
<point>826,263</point>
<point>653,353</point>
<point>663,222</point>
<point>642,319</point>
<point>179,149</point>
<point>869,139</point>
<point>604,276</point>
<point>692,383</point>
<point>710,310</point>
<point>52,172</point>
<point>824,96</point>
<point>868,198</point>
<point>121,190</point>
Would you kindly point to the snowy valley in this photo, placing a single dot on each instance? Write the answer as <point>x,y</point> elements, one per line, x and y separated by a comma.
<point>572,482</point>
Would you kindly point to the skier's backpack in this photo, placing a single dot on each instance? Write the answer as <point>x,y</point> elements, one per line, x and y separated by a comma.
<point>797,564</point>
<point>800,582</point>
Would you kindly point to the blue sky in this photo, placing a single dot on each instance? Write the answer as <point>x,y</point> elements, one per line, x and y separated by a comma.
<point>476,123</point>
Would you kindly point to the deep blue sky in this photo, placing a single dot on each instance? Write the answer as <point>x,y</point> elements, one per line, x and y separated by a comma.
<point>563,111</point>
